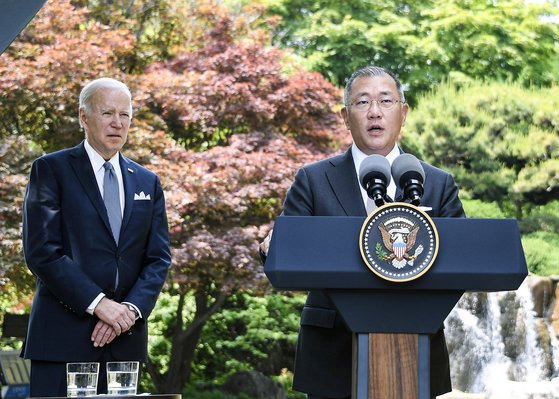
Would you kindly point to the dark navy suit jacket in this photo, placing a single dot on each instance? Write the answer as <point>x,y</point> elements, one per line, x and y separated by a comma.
<point>330,188</point>
<point>69,247</point>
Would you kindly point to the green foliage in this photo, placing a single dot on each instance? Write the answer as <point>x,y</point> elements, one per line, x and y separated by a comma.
<point>543,218</point>
<point>500,141</point>
<point>191,392</point>
<point>542,252</point>
<point>160,325</point>
<point>160,27</point>
<point>286,380</point>
<point>479,209</point>
<point>423,41</point>
<point>249,333</point>
<point>380,252</point>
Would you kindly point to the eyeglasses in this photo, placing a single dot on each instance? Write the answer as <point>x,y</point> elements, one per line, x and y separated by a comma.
<point>384,103</point>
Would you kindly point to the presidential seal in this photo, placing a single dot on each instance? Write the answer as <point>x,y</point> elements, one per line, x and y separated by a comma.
<point>399,242</point>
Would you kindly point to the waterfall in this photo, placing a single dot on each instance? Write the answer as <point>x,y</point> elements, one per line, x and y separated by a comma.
<point>494,338</point>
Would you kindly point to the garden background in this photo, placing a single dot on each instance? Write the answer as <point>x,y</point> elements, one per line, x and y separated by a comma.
<point>231,97</point>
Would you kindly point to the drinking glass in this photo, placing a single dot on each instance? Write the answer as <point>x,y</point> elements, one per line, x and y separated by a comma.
<point>122,378</point>
<point>82,379</point>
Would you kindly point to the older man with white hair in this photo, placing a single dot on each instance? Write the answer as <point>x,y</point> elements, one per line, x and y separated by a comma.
<point>95,236</point>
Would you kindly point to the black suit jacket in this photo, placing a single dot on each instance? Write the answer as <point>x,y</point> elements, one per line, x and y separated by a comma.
<point>330,188</point>
<point>69,246</point>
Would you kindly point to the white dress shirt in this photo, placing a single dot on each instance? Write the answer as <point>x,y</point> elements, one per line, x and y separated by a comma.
<point>97,162</point>
<point>358,157</point>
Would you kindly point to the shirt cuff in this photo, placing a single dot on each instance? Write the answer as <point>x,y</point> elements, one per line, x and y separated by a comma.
<point>136,308</point>
<point>94,304</point>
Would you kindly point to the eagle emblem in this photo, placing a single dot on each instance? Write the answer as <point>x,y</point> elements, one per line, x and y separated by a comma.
<point>398,237</point>
<point>398,242</point>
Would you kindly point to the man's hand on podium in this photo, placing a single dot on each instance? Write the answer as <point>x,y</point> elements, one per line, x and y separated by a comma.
<point>265,245</point>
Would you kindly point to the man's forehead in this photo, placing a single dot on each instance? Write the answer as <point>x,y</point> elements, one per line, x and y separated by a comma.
<point>379,85</point>
<point>110,97</point>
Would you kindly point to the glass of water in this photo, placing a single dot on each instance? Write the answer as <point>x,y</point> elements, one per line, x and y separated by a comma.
<point>82,379</point>
<point>122,378</point>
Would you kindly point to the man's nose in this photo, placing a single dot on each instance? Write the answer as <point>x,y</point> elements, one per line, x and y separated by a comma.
<point>374,110</point>
<point>117,121</point>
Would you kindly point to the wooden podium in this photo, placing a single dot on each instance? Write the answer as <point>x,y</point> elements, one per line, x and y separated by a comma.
<point>392,320</point>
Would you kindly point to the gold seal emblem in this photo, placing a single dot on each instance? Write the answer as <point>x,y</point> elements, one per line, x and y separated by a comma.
<point>399,242</point>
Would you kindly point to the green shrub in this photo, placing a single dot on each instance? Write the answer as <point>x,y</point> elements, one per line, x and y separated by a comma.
<point>479,209</point>
<point>542,253</point>
<point>248,333</point>
<point>195,393</point>
<point>541,218</point>
<point>499,140</point>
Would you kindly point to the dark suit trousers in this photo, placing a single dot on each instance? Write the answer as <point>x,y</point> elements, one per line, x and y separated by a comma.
<point>48,379</point>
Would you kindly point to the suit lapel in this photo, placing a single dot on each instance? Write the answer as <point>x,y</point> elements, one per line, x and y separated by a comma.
<point>129,179</point>
<point>82,168</point>
<point>343,180</point>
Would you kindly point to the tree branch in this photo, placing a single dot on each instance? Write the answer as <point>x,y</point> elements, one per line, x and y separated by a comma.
<point>203,316</point>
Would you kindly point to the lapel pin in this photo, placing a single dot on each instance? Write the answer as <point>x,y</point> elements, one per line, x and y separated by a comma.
<point>130,170</point>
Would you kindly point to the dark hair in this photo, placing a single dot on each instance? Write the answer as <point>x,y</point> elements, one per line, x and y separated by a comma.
<point>372,70</point>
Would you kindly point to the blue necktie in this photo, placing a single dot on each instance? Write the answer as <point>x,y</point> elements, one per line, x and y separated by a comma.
<point>111,198</point>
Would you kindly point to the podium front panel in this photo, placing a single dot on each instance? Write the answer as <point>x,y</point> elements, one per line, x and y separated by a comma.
<point>308,253</point>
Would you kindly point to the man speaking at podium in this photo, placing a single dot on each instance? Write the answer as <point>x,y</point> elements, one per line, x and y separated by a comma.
<point>95,236</point>
<point>374,112</point>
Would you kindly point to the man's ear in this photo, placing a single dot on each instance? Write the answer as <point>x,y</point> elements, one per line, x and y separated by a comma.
<point>83,117</point>
<point>405,109</point>
<point>345,116</point>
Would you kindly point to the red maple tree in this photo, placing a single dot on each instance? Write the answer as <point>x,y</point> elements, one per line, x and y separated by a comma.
<point>225,123</point>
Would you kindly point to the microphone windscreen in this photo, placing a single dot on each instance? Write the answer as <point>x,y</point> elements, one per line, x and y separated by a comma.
<point>374,165</point>
<point>407,163</point>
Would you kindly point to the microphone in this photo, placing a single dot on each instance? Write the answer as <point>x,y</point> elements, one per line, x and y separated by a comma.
<point>374,176</point>
<point>410,176</point>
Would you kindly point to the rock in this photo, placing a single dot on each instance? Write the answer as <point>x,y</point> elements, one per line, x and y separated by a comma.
<point>513,325</point>
<point>542,290</point>
<point>555,313</point>
<point>544,343</point>
<point>255,385</point>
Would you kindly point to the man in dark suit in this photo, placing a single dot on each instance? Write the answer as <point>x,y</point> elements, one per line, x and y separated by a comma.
<point>375,112</point>
<point>95,236</point>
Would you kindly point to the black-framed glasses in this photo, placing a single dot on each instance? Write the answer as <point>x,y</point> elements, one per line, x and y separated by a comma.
<point>383,102</point>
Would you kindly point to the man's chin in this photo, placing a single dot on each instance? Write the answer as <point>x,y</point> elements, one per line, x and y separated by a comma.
<point>377,148</point>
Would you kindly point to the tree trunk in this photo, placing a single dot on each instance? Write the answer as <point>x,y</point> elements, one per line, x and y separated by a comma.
<point>519,210</point>
<point>184,342</point>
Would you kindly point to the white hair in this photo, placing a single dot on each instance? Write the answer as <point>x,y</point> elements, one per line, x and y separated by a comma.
<point>102,83</point>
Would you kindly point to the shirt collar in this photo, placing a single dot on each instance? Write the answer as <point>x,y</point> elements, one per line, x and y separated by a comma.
<point>97,161</point>
<point>359,156</point>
